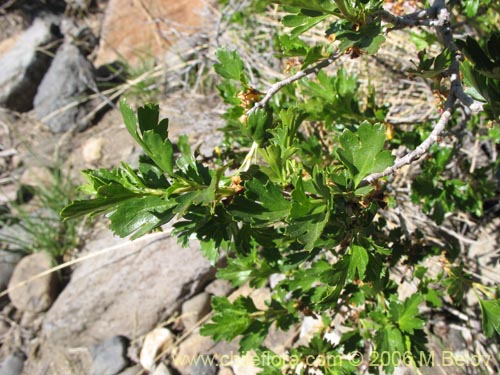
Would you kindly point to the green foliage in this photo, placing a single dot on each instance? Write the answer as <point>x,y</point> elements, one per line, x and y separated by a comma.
<point>35,226</point>
<point>296,201</point>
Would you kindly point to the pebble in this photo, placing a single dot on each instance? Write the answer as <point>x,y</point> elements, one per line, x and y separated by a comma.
<point>109,357</point>
<point>92,150</point>
<point>155,342</point>
<point>161,369</point>
<point>13,364</point>
<point>39,294</point>
<point>205,365</point>
<point>194,309</point>
<point>219,288</point>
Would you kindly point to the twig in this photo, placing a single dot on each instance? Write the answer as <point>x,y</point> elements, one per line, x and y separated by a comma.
<point>299,75</point>
<point>83,258</point>
<point>419,151</point>
<point>443,28</point>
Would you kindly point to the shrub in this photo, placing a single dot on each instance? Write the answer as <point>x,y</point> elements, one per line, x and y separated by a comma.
<point>309,200</point>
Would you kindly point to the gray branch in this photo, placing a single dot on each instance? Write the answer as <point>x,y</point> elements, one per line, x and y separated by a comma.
<point>299,75</point>
<point>443,28</point>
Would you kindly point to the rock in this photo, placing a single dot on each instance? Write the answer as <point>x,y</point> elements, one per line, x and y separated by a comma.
<point>155,343</point>
<point>8,261</point>
<point>58,101</point>
<point>25,64</point>
<point>279,341</point>
<point>39,294</point>
<point>161,369</point>
<point>245,365</point>
<point>275,279</point>
<point>224,370</point>
<point>149,32</point>
<point>37,176</point>
<point>4,327</point>
<point>219,288</point>
<point>194,309</point>
<point>189,348</point>
<point>109,357</point>
<point>13,364</point>
<point>309,327</point>
<point>46,358</point>
<point>260,296</point>
<point>135,370</point>
<point>92,150</point>
<point>127,290</point>
<point>196,345</point>
<point>205,365</point>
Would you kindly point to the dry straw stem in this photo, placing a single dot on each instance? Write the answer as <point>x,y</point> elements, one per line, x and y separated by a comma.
<point>84,258</point>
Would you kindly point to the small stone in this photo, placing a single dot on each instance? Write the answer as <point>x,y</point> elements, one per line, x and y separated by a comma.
<point>37,176</point>
<point>195,309</point>
<point>260,296</point>
<point>155,342</point>
<point>134,370</point>
<point>24,65</point>
<point>8,261</point>
<point>109,357</point>
<point>161,369</point>
<point>38,294</point>
<point>219,288</point>
<point>279,341</point>
<point>245,365</point>
<point>58,102</point>
<point>205,365</point>
<point>225,370</point>
<point>92,150</point>
<point>275,279</point>
<point>192,346</point>
<point>4,327</point>
<point>13,364</point>
<point>310,326</point>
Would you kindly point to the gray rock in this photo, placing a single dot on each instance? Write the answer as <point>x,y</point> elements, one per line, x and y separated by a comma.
<point>25,64</point>
<point>206,365</point>
<point>13,364</point>
<point>162,369</point>
<point>38,294</point>
<point>126,290</point>
<point>8,261</point>
<point>134,370</point>
<point>219,288</point>
<point>109,357</point>
<point>194,309</point>
<point>60,100</point>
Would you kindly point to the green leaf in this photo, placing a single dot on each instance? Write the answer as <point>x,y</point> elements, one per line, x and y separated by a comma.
<point>406,314</point>
<point>491,316</point>
<point>368,38</point>
<point>357,262</point>
<point>141,214</point>
<point>302,22</point>
<point>308,217</point>
<point>262,203</point>
<point>389,340</point>
<point>230,65</point>
<point>161,151</point>
<point>229,319</point>
<point>210,251</point>
<point>257,125</point>
<point>130,120</point>
<point>324,6</point>
<point>362,151</point>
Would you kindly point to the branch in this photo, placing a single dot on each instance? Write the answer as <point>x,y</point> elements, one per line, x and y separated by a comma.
<point>301,74</point>
<point>421,150</point>
<point>443,29</point>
